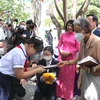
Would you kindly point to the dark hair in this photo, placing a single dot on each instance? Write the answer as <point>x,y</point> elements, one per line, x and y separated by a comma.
<point>34,25</point>
<point>16,20</point>
<point>71,22</point>
<point>9,25</point>
<point>37,41</point>
<point>22,21</point>
<point>1,19</point>
<point>94,18</point>
<point>49,48</point>
<point>29,22</point>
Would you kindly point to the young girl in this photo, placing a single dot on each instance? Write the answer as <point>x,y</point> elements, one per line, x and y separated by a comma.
<point>12,65</point>
<point>42,88</point>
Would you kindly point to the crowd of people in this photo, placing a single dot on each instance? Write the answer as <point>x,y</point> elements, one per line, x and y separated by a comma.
<point>23,55</point>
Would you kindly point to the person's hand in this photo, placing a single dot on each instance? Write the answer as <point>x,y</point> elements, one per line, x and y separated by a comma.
<point>77,68</point>
<point>22,81</point>
<point>42,79</point>
<point>64,54</point>
<point>62,63</point>
<point>34,66</point>
<point>86,68</point>
<point>40,69</point>
<point>67,53</point>
<point>3,12</point>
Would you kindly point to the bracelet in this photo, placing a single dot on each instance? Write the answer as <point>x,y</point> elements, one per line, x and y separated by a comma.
<point>68,62</point>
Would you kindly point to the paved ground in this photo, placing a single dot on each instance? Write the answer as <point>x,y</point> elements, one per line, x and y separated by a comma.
<point>30,87</point>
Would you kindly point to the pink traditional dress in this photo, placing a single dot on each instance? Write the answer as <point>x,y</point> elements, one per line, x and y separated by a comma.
<point>65,83</point>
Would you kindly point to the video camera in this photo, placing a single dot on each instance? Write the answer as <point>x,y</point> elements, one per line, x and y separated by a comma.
<point>7,12</point>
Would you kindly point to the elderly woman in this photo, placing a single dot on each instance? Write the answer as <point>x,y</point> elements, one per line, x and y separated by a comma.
<point>90,82</point>
<point>78,30</point>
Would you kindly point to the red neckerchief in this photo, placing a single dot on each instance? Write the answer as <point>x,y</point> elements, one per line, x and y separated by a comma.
<point>25,64</point>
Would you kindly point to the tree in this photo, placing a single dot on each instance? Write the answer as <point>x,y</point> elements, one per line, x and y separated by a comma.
<point>36,4</point>
<point>54,20</point>
<point>64,13</point>
<point>16,9</point>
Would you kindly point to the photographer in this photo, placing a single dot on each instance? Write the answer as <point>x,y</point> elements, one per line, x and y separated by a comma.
<point>30,27</point>
<point>18,37</point>
<point>2,35</point>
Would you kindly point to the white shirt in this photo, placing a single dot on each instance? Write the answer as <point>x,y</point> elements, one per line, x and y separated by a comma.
<point>2,35</point>
<point>48,62</point>
<point>13,59</point>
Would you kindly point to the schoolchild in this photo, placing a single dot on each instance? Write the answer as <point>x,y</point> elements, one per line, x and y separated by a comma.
<point>12,65</point>
<point>44,89</point>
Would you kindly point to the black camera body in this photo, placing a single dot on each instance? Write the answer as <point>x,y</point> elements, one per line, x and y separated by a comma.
<point>16,20</point>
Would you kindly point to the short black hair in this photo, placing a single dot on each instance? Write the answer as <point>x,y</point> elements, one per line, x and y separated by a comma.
<point>37,41</point>
<point>49,48</point>
<point>9,25</point>
<point>94,18</point>
<point>29,22</point>
<point>34,25</point>
<point>71,22</point>
<point>1,19</point>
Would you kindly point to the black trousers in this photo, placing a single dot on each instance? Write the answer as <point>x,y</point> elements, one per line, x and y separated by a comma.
<point>6,87</point>
<point>49,93</point>
<point>18,88</point>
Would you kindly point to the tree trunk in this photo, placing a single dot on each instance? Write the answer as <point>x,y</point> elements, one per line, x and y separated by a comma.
<point>74,4</point>
<point>65,11</point>
<point>83,8</point>
<point>58,10</point>
<point>37,12</point>
<point>54,20</point>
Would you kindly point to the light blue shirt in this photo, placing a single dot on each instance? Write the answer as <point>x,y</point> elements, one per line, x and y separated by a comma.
<point>13,59</point>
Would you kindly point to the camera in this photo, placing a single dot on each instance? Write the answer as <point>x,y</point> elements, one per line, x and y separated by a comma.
<point>16,20</point>
<point>7,12</point>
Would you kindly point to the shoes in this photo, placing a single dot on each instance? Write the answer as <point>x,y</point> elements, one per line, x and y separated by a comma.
<point>59,99</point>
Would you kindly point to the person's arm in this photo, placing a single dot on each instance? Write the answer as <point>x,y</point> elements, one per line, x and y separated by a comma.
<point>60,43</point>
<point>34,66</point>
<point>68,62</point>
<point>76,48</point>
<point>18,62</point>
<point>8,19</point>
<point>20,74</point>
<point>1,14</point>
<point>96,69</point>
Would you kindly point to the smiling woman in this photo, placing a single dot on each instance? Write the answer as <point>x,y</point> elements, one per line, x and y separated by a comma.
<point>68,47</point>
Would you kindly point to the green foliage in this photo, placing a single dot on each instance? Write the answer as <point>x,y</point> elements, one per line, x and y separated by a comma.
<point>16,9</point>
<point>47,22</point>
<point>94,8</point>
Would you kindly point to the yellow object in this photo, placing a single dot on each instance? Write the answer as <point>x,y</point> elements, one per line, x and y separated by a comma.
<point>49,78</point>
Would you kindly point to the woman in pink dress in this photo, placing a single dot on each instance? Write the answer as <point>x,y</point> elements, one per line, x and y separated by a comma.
<point>68,48</point>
